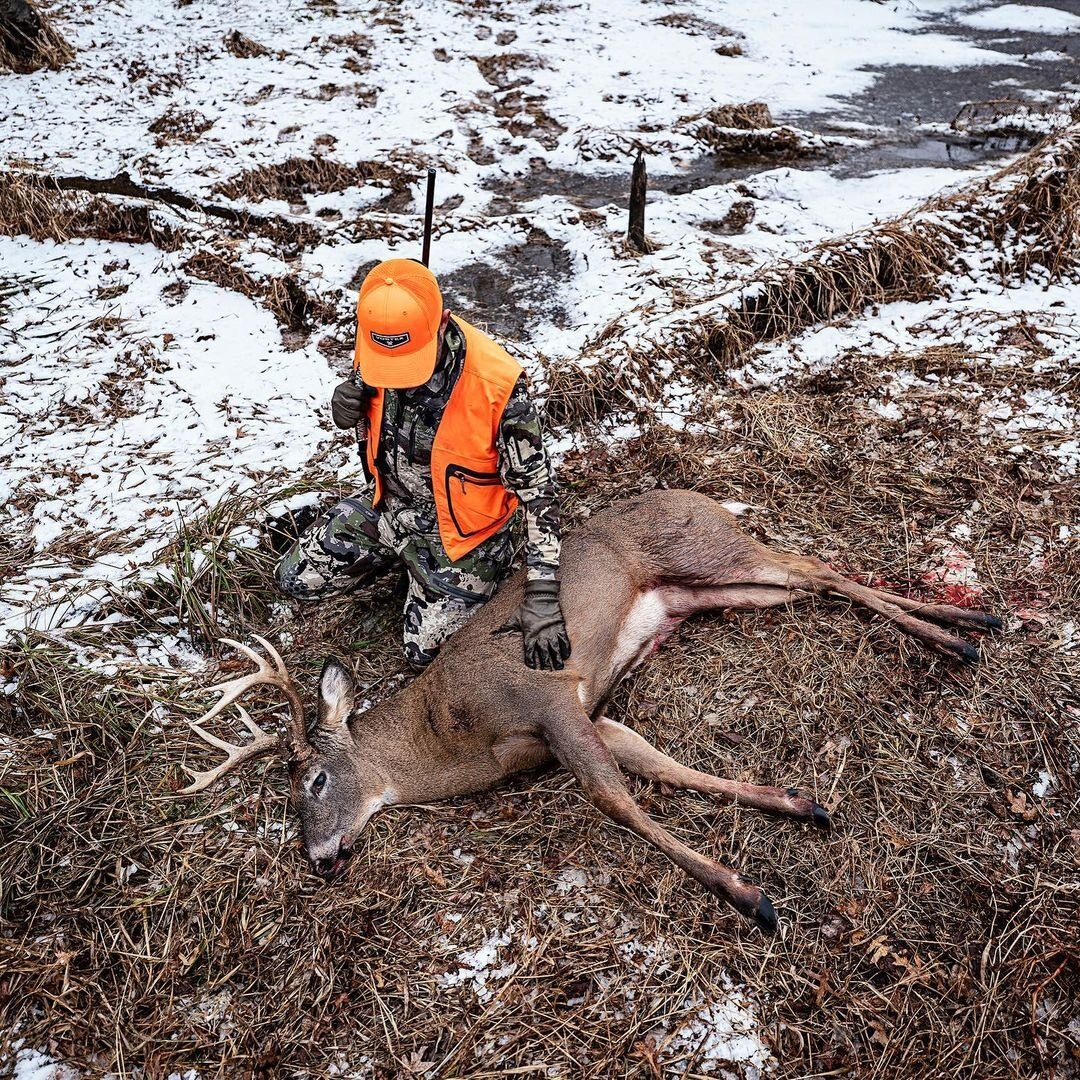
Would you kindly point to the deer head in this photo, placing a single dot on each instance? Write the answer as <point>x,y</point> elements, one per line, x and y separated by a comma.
<point>334,788</point>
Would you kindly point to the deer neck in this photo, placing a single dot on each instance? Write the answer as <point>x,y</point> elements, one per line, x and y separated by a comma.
<point>396,745</point>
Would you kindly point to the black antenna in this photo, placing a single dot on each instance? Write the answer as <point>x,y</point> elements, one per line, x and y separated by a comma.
<point>428,210</point>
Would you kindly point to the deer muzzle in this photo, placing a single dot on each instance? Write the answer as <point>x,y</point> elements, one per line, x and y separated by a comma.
<point>331,866</point>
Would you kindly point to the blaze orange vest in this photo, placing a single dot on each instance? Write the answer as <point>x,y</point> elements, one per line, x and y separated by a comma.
<point>470,500</point>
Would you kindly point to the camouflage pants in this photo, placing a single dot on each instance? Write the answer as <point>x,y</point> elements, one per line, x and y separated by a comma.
<point>355,543</point>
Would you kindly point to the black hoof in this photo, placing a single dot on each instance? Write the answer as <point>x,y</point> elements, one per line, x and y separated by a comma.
<point>765,915</point>
<point>818,814</point>
<point>991,622</point>
<point>967,652</point>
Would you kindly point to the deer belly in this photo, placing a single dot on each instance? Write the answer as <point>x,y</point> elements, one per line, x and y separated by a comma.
<point>646,624</point>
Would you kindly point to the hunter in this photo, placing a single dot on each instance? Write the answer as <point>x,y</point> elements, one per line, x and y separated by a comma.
<point>452,447</point>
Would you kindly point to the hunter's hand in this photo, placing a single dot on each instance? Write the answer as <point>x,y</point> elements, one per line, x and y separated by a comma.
<point>347,404</point>
<point>540,620</point>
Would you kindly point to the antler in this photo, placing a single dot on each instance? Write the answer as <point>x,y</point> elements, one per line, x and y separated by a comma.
<point>264,743</point>
<point>294,741</point>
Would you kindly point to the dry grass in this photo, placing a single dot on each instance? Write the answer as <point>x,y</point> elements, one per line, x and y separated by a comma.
<point>29,41</point>
<point>932,935</point>
<point>34,206</point>
<point>745,132</point>
<point>179,126</point>
<point>243,47</point>
<point>291,180</point>
<point>283,296</point>
<point>1029,211</point>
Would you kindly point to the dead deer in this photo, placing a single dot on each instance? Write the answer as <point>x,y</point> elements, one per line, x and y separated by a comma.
<point>478,715</point>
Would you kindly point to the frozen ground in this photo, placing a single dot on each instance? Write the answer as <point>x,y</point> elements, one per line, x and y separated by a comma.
<point>137,394</point>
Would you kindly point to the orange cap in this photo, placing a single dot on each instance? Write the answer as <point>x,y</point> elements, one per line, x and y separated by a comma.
<point>397,325</point>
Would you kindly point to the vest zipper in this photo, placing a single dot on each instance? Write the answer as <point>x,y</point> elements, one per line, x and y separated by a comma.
<point>460,473</point>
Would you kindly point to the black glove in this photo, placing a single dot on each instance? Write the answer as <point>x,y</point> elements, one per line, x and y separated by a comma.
<point>540,621</point>
<point>348,404</point>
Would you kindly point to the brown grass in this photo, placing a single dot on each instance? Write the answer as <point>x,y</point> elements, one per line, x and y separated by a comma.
<point>180,126</point>
<point>932,935</point>
<point>291,180</point>
<point>1030,211</point>
<point>745,131</point>
<point>34,206</point>
<point>244,47</point>
<point>283,296</point>
<point>32,42</point>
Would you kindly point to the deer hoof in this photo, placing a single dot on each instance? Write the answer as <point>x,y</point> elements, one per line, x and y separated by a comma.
<point>805,807</point>
<point>967,652</point>
<point>764,915</point>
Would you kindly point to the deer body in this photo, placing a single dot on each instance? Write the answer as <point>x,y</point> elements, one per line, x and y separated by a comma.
<point>478,715</point>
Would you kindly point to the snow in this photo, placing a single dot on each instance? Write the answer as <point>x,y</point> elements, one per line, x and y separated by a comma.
<point>208,398</point>
<point>137,395</point>
<point>479,969</point>
<point>419,67</point>
<point>723,1031</point>
<point>1030,18</point>
<point>38,1065</point>
<point>977,313</point>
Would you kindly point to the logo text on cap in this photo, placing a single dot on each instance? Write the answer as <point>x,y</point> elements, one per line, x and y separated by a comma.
<point>390,341</point>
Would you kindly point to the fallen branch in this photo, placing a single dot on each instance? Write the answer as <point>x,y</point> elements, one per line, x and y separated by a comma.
<point>123,185</point>
<point>60,207</point>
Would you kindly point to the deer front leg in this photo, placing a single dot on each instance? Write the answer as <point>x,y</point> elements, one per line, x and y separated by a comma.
<point>641,758</point>
<point>575,742</point>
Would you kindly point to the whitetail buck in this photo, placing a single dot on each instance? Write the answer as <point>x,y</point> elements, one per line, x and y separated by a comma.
<point>478,715</point>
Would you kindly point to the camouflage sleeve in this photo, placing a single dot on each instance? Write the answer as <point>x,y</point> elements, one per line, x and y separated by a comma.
<point>523,463</point>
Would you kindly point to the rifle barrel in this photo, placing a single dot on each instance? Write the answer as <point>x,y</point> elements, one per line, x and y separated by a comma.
<point>428,211</point>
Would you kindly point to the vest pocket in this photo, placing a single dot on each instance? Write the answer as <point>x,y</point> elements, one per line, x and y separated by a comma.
<point>476,499</point>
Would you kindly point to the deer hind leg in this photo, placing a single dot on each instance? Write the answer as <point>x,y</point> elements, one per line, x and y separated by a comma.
<point>575,742</point>
<point>802,575</point>
<point>638,756</point>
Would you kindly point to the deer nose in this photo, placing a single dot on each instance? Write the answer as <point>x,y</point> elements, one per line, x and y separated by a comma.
<point>324,867</point>
<point>332,865</point>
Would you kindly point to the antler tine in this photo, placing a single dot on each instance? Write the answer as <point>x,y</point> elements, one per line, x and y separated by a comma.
<point>251,654</point>
<point>274,655</point>
<point>296,736</point>
<point>270,672</point>
<point>250,724</point>
<point>263,743</point>
<point>265,674</point>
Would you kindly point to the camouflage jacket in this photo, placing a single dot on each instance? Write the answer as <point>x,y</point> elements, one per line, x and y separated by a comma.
<point>410,419</point>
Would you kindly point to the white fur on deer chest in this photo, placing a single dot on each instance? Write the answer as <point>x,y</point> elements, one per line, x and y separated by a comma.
<point>644,623</point>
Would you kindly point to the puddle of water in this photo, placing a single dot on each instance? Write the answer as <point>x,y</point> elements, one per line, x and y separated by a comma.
<point>899,102</point>
<point>510,295</point>
<point>902,98</point>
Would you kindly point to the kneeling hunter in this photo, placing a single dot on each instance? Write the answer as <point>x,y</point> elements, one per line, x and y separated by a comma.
<point>454,447</point>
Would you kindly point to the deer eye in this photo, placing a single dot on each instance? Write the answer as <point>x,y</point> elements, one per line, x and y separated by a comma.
<point>318,783</point>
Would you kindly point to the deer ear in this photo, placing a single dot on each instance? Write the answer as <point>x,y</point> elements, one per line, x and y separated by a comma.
<point>337,695</point>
